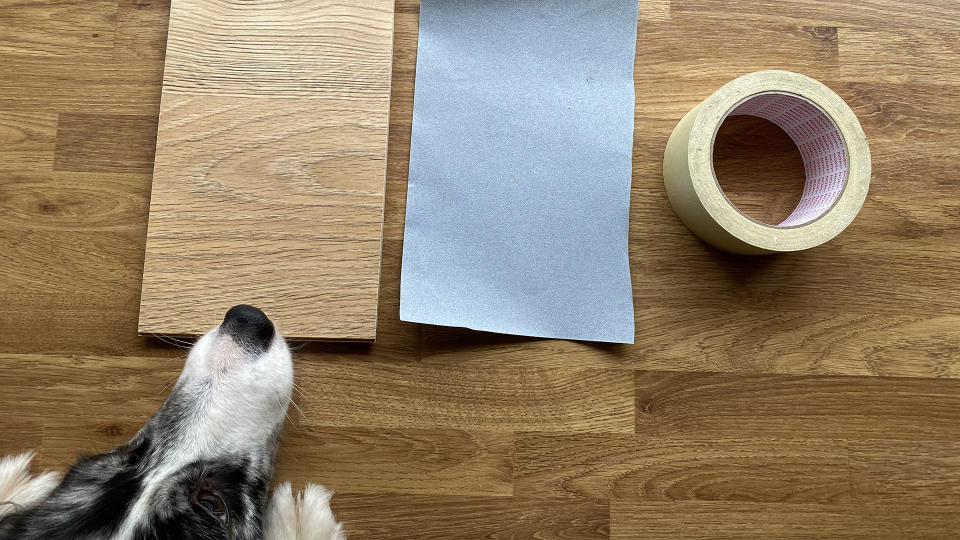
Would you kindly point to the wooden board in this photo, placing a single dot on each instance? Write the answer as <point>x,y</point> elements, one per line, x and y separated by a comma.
<point>270,166</point>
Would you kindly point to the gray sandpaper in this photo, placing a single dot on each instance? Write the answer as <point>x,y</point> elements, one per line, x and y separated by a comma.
<point>520,167</point>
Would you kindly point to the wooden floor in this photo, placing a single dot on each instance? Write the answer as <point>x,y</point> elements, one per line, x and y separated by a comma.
<point>809,395</point>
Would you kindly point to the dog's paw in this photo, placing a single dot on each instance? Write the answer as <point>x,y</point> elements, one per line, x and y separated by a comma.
<point>305,517</point>
<point>18,488</point>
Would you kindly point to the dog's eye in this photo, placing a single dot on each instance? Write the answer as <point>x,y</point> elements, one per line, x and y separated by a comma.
<point>214,504</point>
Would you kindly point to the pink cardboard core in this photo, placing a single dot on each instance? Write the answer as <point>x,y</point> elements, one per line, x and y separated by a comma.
<point>821,146</point>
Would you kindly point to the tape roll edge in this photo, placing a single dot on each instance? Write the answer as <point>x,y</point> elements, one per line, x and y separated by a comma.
<point>701,204</point>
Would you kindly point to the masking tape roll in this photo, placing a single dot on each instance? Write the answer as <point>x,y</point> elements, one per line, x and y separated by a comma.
<point>835,155</point>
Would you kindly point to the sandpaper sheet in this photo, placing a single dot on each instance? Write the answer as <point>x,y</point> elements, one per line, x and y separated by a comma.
<point>520,168</point>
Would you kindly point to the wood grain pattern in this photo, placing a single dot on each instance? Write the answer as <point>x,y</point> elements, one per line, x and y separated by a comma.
<point>728,521</point>
<point>840,407</point>
<point>64,438</point>
<point>109,147</point>
<point>20,435</point>
<point>902,471</point>
<point>84,388</point>
<point>710,338</point>
<point>651,469</point>
<point>425,517</point>
<point>109,84</point>
<point>27,140</point>
<point>43,28</point>
<point>414,461</point>
<point>141,33</point>
<point>269,176</point>
<point>443,433</point>
<point>360,392</point>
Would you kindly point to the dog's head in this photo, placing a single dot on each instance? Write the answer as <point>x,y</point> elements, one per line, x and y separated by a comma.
<point>201,466</point>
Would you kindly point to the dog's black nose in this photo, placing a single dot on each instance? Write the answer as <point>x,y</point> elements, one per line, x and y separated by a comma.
<point>249,327</point>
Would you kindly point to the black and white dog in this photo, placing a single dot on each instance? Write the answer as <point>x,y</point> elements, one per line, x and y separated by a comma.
<point>200,467</point>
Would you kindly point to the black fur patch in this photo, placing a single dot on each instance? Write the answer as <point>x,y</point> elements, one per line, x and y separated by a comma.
<point>98,492</point>
<point>89,505</point>
<point>92,500</point>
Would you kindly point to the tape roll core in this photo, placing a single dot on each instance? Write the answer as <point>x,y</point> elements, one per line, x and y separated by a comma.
<point>821,146</point>
<point>831,142</point>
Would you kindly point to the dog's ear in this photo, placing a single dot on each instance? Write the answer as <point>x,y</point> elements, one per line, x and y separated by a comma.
<point>18,488</point>
<point>305,517</point>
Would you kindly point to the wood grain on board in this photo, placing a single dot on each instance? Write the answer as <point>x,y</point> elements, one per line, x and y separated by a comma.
<point>269,174</point>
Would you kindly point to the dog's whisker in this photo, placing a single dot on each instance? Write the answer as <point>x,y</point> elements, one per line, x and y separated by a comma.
<point>167,340</point>
<point>185,341</point>
<point>169,382</point>
<point>299,398</point>
<point>164,340</point>
<point>297,388</point>
<point>291,423</point>
<point>299,410</point>
<point>176,342</point>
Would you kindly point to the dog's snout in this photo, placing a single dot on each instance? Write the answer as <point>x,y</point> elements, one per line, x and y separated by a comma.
<point>249,327</point>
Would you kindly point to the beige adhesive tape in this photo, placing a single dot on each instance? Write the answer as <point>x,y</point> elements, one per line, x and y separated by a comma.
<point>835,155</point>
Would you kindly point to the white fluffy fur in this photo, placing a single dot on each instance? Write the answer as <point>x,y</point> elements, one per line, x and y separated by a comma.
<point>230,420</point>
<point>18,488</point>
<point>305,517</point>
